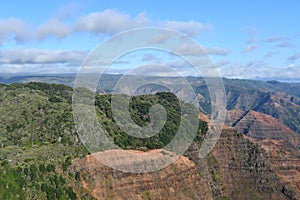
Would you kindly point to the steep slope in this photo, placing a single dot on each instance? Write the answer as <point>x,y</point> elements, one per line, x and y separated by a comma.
<point>279,100</point>
<point>239,169</point>
<point>285,162</point>
<point>277,140</point>
<point>37,142</point>
<point>36,113</point>
<point>236,169</point>
<point>261,126</point>
<point>180,180</point>
<point>282,107</point>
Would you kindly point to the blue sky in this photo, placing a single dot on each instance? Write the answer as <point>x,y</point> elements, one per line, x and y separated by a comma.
<point>247,39</point>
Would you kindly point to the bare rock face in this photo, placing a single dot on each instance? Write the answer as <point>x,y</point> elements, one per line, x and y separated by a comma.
<point>179,180</point>
<point>280,143</point>
<point>283,106</point>
<point>261,126</point>
<point>236,169</point>
<point>285,162</point>
<point>239,169</point>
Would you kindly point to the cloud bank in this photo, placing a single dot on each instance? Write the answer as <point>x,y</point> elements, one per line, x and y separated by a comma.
<point>107,22</point>
<point>40,56</point>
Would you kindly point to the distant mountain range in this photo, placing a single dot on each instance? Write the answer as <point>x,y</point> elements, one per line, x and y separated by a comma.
<point>277,99</point>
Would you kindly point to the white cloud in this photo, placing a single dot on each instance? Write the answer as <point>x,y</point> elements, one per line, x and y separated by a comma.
<point>150,57</point>
<point>251,32</point>
<point>190,28</point>
<point>40,56</point>
<point>217,51</point>
<point>13,28</point>
<point>285,44</point>
<point>222,63</point>
<point>190,50</point>
<point>37,68</point>
<point>112,21</point>
<point>105,22</point>
<point>53,28</point>
<point>64,23</point>
<point>249,48</point>
<point>282,41</point>
<point>109,22</point>
<point>160,38</point>
<point>261,70</point>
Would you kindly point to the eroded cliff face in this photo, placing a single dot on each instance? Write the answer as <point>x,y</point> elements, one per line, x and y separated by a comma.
<point>239,169</point>
<point>180,180</point>
<point>261,126</point>
<point>279,142</point>
<point>285,162</point>
<point>235,169</point>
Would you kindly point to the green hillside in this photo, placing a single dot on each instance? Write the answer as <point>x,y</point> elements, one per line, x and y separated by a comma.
<point>39,140</point>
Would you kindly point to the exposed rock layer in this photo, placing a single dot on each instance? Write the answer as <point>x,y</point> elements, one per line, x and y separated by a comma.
<point>279,142</point>
<point>235,169</point>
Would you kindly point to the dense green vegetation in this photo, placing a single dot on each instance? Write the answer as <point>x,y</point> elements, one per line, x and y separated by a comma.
<point>10,182</point>
<point>37,142</point>
<point>139,109</point>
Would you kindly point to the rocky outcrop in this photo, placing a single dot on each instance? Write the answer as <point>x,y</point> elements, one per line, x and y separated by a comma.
<point>180,180</point>
<point>283,108</point>
<point>285,162</point>
<point>278,103</point>
<point>280,143</point>
<point>239,169</point>
<point>261,126</point>
<point>235,169</point>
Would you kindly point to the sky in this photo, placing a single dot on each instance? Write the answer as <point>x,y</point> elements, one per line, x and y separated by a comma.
<point>245,39</point>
